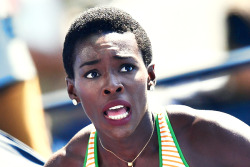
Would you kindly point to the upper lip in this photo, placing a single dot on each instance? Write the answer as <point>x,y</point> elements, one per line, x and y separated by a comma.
<point>116,103</point>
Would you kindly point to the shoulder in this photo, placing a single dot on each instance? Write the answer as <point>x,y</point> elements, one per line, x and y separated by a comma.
<point>180,116</point>
<point>184,116</point>
<point>217,136</point>
<point>73,154</point>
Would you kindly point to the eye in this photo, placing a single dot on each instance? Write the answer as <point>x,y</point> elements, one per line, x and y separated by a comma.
<point>127,68</point>
<point>92,74</point>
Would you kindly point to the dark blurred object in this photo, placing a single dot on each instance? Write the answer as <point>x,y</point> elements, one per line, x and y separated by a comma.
<point>238,24</point>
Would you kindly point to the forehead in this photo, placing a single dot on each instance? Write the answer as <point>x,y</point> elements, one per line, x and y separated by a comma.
<point>107,44</point>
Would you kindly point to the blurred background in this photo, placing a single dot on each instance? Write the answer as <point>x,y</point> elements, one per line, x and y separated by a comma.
<point>201,50</point>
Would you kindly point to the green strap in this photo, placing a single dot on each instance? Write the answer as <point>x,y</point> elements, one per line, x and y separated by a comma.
<point>95,152</point>
<point>159,140</point>
<point>175,140</point>
<point>86,156</point>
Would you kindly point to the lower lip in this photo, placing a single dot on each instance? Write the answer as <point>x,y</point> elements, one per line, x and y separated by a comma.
<point>120,122</point>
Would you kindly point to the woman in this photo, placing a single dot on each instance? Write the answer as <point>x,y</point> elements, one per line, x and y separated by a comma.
<point>107,57</point>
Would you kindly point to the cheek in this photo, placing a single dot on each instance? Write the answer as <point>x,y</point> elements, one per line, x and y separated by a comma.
<point>141,79</point>
<point>88,98</point>
<point>87,93</point>
<point>140,86</point>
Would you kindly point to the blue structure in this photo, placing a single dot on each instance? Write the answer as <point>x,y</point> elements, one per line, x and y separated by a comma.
<point>14,153</point>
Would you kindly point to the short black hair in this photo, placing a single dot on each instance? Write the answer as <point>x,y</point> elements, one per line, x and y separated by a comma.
<point>99,20</point>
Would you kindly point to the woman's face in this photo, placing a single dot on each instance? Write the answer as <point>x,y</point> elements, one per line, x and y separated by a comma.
<point>110,82</point>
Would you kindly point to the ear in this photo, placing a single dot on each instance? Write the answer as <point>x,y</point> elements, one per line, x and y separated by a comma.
<point>71,89</point>
<point>151,76</point>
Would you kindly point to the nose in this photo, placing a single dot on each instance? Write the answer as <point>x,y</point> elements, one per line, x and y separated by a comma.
<point>113,86</point>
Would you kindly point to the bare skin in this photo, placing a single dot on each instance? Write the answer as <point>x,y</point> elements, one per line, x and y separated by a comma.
<point>203,141</point>
<point>211,138</point>
<point>204,136</point>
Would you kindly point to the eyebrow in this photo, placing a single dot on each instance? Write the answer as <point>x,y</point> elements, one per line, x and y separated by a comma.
<point>92,62</point>
<point>118,57</point>
<point>123,57</point>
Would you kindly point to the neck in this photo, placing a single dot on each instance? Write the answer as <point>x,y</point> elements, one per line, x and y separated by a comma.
<point>129,147</point>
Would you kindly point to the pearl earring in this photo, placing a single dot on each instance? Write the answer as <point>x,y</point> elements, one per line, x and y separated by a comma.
<point>151,86</point>
<point>74,102</point>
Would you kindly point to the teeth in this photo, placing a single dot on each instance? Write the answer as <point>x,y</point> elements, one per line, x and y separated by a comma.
<point>116,107</point>
<point>119,116</point>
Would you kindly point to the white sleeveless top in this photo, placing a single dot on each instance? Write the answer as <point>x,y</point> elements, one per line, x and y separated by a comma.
<point>170,154</point>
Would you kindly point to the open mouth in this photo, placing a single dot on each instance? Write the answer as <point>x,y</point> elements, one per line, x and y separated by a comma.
<point>117,112</point>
